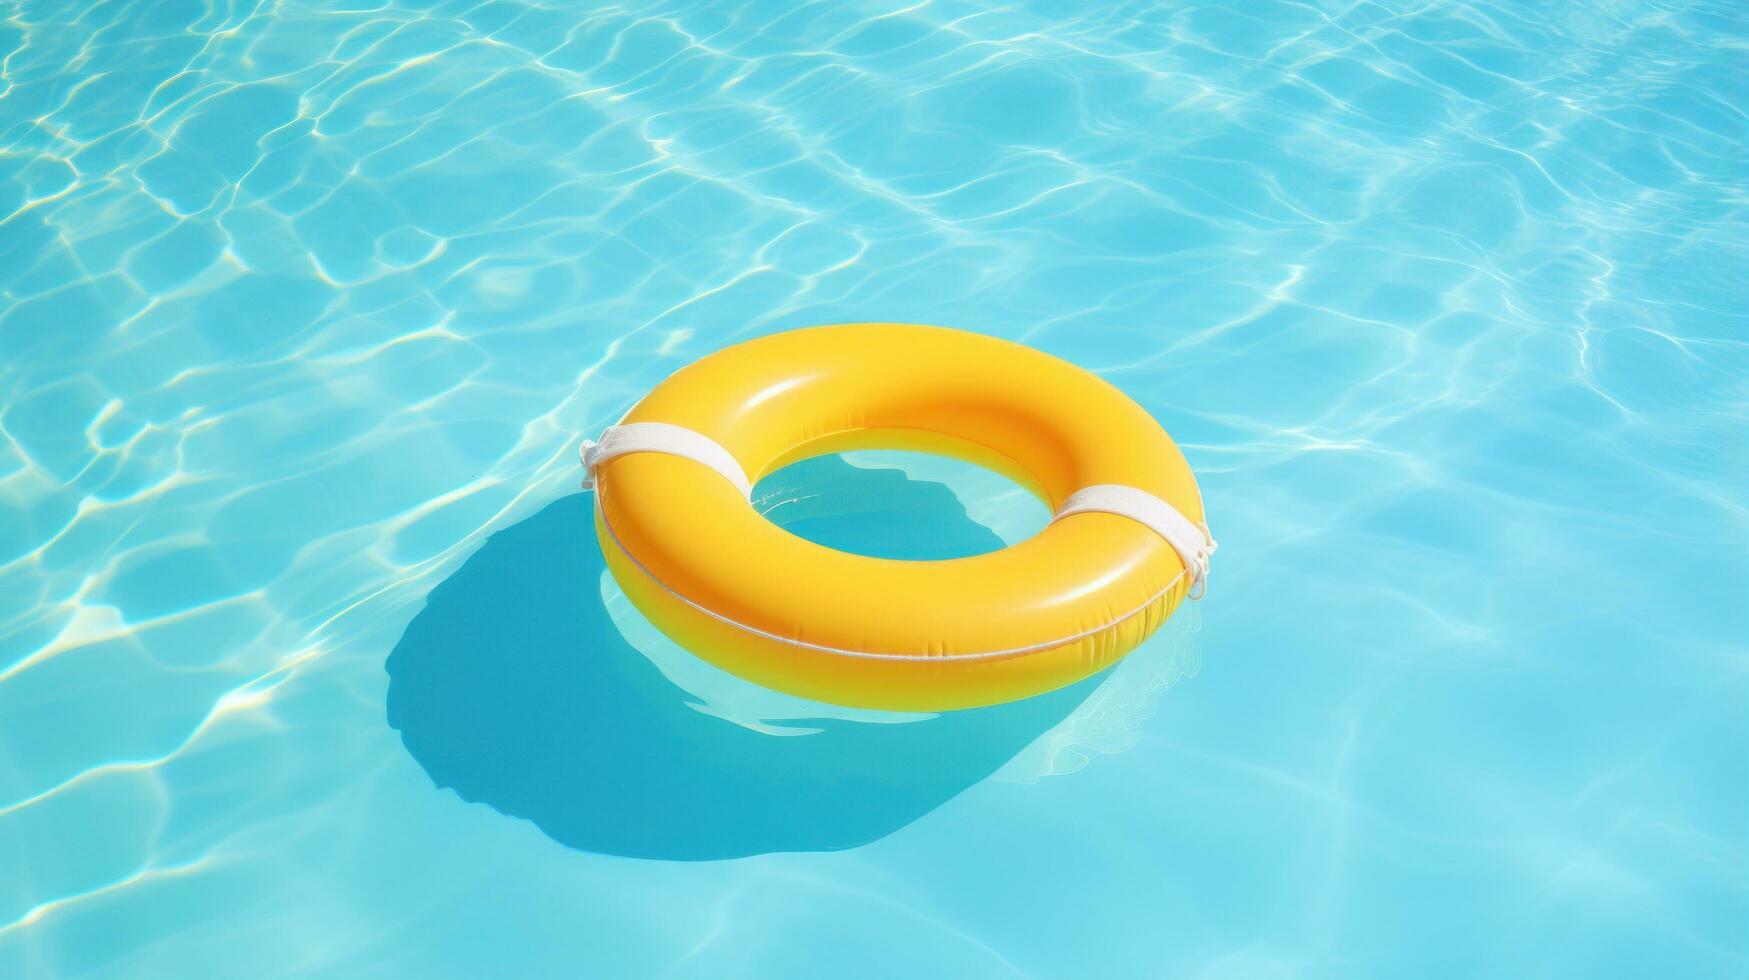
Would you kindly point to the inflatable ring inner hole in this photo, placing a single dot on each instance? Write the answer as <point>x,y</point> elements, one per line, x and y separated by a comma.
<point>902,504</point>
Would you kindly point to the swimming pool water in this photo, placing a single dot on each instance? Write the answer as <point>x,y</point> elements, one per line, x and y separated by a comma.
<point>307,667</point>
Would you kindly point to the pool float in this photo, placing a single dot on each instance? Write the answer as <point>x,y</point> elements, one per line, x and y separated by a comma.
<point>673,481</point>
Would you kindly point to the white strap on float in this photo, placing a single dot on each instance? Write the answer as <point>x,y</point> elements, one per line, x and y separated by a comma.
<point>660,437</point>
<point>1192,541</point>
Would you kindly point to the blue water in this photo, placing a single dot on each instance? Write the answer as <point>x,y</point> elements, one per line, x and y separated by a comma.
<point>308,668</point>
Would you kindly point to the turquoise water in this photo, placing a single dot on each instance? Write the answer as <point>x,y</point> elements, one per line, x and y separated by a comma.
<point>307,667</point>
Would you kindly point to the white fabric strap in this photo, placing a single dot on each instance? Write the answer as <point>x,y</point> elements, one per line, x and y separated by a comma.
<point>1192,541</point>
<point>660,437</point>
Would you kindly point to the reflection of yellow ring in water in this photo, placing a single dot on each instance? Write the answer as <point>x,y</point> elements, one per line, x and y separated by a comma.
<point>696,558</point>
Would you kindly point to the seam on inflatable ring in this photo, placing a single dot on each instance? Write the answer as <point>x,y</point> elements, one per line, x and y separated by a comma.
<point>601,511</point>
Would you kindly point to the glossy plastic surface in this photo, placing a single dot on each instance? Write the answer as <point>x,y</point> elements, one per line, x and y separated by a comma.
<point>793,615</point>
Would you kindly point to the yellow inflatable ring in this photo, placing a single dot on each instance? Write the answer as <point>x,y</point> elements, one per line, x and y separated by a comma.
<point>681,538</point>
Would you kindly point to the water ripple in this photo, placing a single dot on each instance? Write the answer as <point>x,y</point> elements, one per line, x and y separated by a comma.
<point>300,301</point>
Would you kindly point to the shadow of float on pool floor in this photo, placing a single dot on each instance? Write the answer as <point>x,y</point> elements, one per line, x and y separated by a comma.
<point>514,688</point>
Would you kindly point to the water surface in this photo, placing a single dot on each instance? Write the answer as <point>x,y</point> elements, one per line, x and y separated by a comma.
<point>304,307</point>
